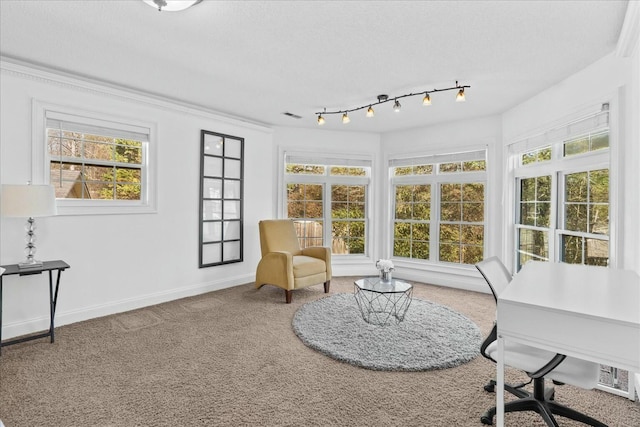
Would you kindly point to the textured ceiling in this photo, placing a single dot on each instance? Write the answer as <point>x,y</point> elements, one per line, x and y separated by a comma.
<point>259,59</point>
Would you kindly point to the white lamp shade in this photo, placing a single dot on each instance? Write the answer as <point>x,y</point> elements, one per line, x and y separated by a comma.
<point>28,200</point>
<point>172,5</point>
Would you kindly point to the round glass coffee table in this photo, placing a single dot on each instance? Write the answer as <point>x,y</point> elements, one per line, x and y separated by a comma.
<point>382,303</point>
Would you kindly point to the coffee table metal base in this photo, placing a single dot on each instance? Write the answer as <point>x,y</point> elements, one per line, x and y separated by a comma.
<point>382,307</point>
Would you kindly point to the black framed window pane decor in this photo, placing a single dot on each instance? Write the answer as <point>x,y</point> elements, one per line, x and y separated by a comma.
<point>221,198</point>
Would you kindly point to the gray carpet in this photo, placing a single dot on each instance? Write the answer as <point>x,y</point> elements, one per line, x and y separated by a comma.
<point>231,358</point>
<point>431,336</point>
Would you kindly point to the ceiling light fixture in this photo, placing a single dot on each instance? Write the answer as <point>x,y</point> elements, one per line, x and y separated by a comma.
<point>370,112</point>
<point>171,5</point>
<point>426,100</point>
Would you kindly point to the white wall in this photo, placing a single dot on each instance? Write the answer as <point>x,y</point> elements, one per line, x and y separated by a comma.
<point>120,262</point>
<point>450,138</point>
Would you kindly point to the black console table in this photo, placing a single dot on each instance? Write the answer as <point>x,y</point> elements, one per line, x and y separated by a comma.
<point>49,266</point>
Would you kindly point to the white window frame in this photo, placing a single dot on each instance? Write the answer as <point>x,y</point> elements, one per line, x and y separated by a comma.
<point>327,180</point>
<point>558,167</point>
<point>435,179</point>
<point>40,168</point>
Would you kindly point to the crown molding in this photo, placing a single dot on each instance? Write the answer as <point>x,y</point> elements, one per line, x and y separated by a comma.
<point>41,73</point>
<point>630,32</point>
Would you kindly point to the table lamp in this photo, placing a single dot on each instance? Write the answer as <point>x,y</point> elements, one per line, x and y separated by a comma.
<point>28,201</point>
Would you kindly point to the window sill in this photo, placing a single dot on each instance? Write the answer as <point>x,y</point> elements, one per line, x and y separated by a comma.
<point>72,207</point>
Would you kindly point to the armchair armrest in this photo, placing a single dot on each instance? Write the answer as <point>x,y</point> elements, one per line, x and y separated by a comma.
<point>320,252</point>
<point>276,268</point>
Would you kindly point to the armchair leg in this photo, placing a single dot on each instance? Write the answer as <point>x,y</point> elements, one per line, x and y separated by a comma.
<point>327,284</point>
<point>288,294</point>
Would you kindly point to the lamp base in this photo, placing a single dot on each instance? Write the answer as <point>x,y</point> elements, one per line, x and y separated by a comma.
<point>30,264</point>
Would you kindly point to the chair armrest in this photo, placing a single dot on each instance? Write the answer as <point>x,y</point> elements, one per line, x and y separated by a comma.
<point>550,366</point>
<point>320,252</point>
<point>276,268</point>
<point>282,259</point>
<point>493,335</point>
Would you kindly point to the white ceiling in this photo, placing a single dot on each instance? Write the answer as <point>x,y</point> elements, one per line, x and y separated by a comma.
<point>259,59</point>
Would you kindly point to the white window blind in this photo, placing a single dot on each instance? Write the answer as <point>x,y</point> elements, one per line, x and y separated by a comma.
<point>591,123</point>
<point>309,159</point>
<point>439,158</point>
<point>71,123</point>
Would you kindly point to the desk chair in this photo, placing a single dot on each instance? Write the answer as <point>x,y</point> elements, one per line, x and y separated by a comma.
<point>538,364</point>
<point>285,264</point>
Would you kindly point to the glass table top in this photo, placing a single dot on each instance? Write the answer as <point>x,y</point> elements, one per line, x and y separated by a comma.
<point>374,284</point>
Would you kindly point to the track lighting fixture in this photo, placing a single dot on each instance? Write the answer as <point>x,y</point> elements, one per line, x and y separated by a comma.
<point>426,100</point>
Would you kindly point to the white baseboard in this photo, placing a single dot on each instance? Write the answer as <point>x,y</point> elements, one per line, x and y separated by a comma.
<point>15,329</point>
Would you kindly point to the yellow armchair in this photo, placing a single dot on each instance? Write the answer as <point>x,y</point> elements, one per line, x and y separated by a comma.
<point>285,265</point>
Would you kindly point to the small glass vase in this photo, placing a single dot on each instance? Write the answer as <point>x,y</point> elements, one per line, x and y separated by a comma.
<point>385,276</point>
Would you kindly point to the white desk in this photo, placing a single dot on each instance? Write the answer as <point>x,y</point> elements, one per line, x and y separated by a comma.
<point>591,313</point>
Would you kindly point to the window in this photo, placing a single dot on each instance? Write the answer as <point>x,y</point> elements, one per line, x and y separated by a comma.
<point>583,236</point>
<point>461,222</point>
<point>562,193</point>
<point>438,210</point>
<point>534,213</point>
<point>87,165</point>
<point>327,198</point>
<point>97,164</point>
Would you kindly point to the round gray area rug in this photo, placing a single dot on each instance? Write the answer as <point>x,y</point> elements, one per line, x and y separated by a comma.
<point>431,336</point>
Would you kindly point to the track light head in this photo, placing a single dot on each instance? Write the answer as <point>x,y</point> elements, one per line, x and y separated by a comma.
<point>427,99</point>
<point>460,96</point>
<point>345,118</point>
<point>370,112</point>
<point>320,120</point>
<point>397,106</point>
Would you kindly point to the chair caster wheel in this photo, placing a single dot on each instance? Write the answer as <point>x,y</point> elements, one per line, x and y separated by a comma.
<point>490,386</point>
<point>486,420</point>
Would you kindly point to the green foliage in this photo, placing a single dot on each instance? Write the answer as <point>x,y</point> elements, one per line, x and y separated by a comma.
<point>126,181</point>
<point>304,169</point>
<point>536,156</point>
<point>304,201</point>
<point>586,143</point>
<point>587,201</point>
<point>348,171</point>
<point>413,170</point>
<point>535,201</point>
